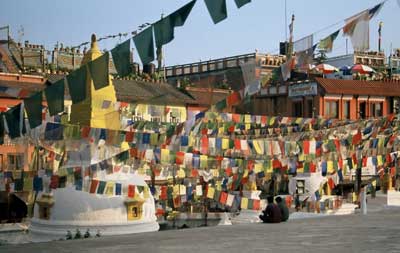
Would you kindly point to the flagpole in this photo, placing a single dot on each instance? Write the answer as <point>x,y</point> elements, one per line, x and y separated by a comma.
<point>286,36</point>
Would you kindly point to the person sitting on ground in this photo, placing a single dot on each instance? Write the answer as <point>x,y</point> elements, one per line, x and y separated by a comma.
<point>272,213</point>
<point>282,206</point>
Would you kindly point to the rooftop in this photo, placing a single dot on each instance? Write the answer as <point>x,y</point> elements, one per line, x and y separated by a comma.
<point>357,87</point>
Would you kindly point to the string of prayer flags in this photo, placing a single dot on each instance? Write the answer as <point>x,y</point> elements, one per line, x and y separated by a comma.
<point>217,10</point>
<point>55,97</point>
<point>327,43</point>
<point>99,71</point>
<point>77,84</point>
<point>303,43</point>
<point>240,3</point>
<point>144,45</point>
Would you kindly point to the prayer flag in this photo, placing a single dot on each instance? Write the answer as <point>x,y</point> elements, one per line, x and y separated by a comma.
<point>210,192</point>
<point>122,58</point>
<point>99,71</point>
<point>77,84</point>
<point>230,199</point>
<point>357,27</point>
<point>15,122</point>
<point>327,43</point>
<point>144,45</point>
<point>240,3</point>
<point>217,10</point>
<point>118,189</point>
<point>93,186</point>
<point>131,191</point>
<point>33,107</point>
<point>244,203</point>
<point>303,43</point>
<point>223,198</point>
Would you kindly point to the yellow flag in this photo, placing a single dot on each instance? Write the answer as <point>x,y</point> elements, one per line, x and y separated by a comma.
<point>215,172</point>
<point>247,126</point>
<point>244,203</point>
<point>258,167</point>
<point>380,161</point>
<point>330,168</point>
<point>164,156</point>
<point>210,192</point>
<point>203,161</point>
<point>268,168</point>
<point>109,189</point>
<point>146,192</point>
<point>247,118</point>
<point>225,143</point>
<point>175,190</point>
<point>181,173</point>
<point>259,147</point>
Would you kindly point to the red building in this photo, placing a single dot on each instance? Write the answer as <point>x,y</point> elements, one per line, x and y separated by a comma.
<point>330,98</point>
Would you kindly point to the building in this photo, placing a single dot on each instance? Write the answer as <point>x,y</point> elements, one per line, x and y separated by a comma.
<point>329,98</point>
<point>371,59</point>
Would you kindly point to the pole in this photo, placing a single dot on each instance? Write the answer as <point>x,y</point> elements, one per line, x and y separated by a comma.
<point>347,49</point>
<point>286,26</point>
<point>380,36</point>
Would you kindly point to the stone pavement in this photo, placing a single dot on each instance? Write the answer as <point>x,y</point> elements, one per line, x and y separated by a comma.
<point>378,231</point>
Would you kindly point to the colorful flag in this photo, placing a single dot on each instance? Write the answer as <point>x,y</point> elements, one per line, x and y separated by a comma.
<point>327,43</point>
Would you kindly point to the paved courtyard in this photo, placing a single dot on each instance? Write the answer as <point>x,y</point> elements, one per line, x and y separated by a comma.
<point>378,231</point>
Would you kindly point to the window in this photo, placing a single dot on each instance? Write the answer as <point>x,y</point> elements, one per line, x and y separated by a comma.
<point>301,186</point>
<point>376,109</point>
<point>331,109</point>
<point>346,109</point>
<point>15,161</point>
<point>298,109</point>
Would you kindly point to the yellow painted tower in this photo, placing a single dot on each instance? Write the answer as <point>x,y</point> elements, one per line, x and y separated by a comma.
<point>90,112</point>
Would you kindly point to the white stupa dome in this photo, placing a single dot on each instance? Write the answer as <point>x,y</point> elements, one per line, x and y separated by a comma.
<point>80,210</point>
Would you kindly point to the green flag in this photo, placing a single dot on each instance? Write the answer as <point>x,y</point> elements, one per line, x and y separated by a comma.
<point>179,17</point>
<point>121,55</point>
<point>327,43</point>
<point>217,10</point>
<point>77,84</point>
<point>144,45</point>
<point>55,97</point>
<point>163,31</point>
<point>99,71</point>
<point>164,28</point>
<point>33,107</point>
<point>15,122</point>
<point>221,105</point>
<point>240,3</point>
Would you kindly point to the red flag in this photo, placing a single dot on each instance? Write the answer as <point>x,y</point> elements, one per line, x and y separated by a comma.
<point>236,118</point>
<point>256,204</point>
<point>313,168</point>
<point>131,191</point>
<point>228,171</point>
<point>85,132</point>
<point>163,193</point>
<point>237,144</point>
<point>179,157</point>
<point>129,136</point>
<point>195,173</point>
<point>331,183</point>
<point>357,138</point>
<point>93,186</point>
<point>223,197</point>
<point>306,147</point>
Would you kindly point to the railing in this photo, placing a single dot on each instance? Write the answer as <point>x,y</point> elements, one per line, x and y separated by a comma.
<point>207,66</point>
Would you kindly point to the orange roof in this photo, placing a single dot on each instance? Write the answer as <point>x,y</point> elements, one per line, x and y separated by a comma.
<point>357,87</point>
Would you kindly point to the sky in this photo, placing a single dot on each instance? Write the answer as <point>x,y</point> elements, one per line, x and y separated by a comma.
<point>259,25</point>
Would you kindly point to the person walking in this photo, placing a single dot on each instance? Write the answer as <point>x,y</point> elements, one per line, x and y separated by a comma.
<point>284,209</point>
<point>272,213</point>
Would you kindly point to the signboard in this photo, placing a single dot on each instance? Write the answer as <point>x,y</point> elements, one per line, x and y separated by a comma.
<point>304,89</point>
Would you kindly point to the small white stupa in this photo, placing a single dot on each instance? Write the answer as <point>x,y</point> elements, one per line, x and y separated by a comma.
<point>66,209</point>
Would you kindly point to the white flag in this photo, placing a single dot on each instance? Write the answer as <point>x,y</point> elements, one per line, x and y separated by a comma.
<point>303,43</point>
<point>199,190</point>
<point>230,199</point>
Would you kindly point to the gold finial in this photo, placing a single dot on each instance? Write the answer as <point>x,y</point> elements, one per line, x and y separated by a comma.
<point>93,37</point>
